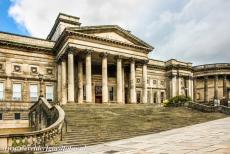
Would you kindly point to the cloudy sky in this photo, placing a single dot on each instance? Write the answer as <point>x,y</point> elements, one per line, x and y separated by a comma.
<point>190,30</point>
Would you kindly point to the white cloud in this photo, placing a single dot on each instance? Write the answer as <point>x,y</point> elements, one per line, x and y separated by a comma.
<point>191,30</point>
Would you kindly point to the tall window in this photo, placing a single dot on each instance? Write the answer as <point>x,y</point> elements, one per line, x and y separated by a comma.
<point>17,91</point>
<point>1,91</point>
<point>33,92</point>
<point>49,92</point>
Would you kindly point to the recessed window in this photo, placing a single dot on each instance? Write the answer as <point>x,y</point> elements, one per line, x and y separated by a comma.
<point>162,83</point>
<point>49,92</point>
<point>34,69</point>
<point>1,66</point>
<point>1,117</point>
<point>154,81</point>
<point>17,116</point>
<point>1,91</point>
<point>17,68</point>
<point>17,91</point>
<point>49,71</point>
<point>33,92</point>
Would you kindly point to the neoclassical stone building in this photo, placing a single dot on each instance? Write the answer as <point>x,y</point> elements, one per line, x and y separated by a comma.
<point>96,64</point>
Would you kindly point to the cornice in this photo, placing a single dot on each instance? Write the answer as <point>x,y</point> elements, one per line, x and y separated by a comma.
<point>27,47</point>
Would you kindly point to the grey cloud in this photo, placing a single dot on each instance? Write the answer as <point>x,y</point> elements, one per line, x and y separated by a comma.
<point>190,30</point>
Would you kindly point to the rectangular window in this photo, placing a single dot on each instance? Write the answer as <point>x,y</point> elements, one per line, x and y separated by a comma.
<point>1,91</point>
<point>33,92</point>
<point>49,92</point>
<point>154,81</point>
<point>17,89</point>
<point>17,116</point>
<point>1,117</point>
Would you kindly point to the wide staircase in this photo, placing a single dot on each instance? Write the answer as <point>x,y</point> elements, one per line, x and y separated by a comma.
<point>93,124</point>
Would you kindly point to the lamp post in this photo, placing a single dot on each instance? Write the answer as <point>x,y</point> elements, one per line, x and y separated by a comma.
<point>40,76</point>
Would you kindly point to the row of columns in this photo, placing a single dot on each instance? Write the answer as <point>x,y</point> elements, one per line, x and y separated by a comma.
<point>216,79</point>
<point>67,93</point>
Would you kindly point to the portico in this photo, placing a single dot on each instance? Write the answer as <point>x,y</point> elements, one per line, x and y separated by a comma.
<point>100,77</point>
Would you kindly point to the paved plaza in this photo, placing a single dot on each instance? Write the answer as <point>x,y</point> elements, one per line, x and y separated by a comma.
<point>210,137</point>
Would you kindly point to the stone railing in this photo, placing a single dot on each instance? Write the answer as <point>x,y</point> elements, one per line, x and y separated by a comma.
<point>206,108</point>
<point>212,66</point>
<point>46,120</point>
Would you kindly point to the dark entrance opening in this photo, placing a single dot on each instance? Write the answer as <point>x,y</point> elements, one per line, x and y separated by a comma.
<point>98,94</point>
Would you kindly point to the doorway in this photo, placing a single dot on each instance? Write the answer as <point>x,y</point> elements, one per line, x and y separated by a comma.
<point>98,94</point>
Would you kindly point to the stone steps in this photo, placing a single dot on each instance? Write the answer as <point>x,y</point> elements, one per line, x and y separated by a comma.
<point>87,125</point>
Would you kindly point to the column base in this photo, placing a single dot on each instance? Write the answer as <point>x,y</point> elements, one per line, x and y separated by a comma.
<point>70,102</point>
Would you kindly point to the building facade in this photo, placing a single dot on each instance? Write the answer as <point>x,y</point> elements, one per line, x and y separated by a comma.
<point>96,64</point>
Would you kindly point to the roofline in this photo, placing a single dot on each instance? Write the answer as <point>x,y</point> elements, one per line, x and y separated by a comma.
<point>31,37</point>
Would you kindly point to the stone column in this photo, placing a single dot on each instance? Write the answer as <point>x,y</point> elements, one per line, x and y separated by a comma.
<point>59,81</point>
<point>88,85</point>
<point>194,89</point>
<point>104,79</point>
<point>144,83</point>
<point>70,76</point>
<point>119,80</point>
<point>133,96</point>
<point>225,86</point>
<point>123,84</point>
<point>80,80</point>
<point>191,87</point>
<point>63,82</point>
<point>173,86</point>
<point>178,84</point>
<point>206,89</point>
<point>216,87</point>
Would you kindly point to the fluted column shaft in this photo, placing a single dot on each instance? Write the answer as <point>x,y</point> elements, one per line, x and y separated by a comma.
<point>144,83</point>
<point>70,76</point>
<point>80,80</point>
<point>88,78</point>
<point>216,87</point>
<point>104,79</point>
<point>119,80</point>
<point>206,89</point>
<point>133,96</point>
<point>225,86</point>
<point>63,82</point>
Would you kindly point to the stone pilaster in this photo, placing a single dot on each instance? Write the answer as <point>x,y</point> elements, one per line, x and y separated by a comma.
<point>144,83</point>
<point>216,87</point>
<point>104,78</point>
<point>88,77</point>
<point>119,80</point>
<point>133,96</point>
<point>63,82</point>
<point>80,80</point>
<point>206,89</point>
<point>70,75</point>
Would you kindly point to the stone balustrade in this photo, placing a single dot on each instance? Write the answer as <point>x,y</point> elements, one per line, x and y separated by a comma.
<point>211,66</point>
<point>46,120</point>
<point>206,108</point>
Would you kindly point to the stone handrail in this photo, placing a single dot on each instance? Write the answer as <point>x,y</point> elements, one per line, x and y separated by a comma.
<point>47,136</point>
<point>206,108</point>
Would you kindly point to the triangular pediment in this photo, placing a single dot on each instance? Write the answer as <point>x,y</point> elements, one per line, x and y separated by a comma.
<point>113,32</point>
